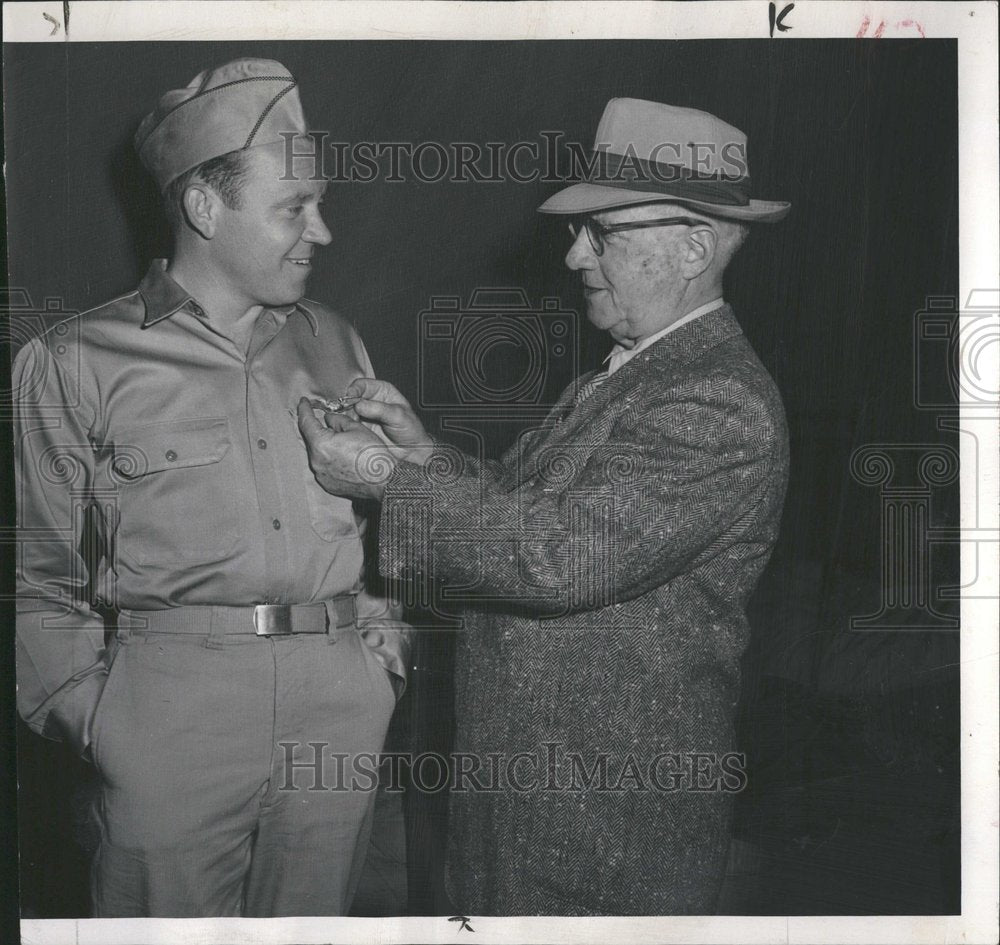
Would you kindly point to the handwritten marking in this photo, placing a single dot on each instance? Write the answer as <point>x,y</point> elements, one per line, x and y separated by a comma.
<point>880,29</point>
<point>778,19</point>
<point>920,29</point>
<point>55,24</point>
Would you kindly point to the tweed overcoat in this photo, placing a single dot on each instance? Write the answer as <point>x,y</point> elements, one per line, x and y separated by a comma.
<point>604,564</point>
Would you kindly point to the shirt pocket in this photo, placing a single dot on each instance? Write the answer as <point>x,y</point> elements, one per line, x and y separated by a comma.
<point>176,495</point>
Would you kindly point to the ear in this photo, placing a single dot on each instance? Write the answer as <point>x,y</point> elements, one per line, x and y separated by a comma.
<point>202,208</point>
<point>702,243</point>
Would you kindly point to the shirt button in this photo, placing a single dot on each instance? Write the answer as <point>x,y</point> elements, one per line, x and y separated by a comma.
<point>276,524</point>
<point>262,443</point>
<point>170,455</point>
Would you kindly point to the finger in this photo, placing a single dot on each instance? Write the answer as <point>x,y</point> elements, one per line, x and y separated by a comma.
<point>308,424</point>
<point>341,423</point>
<point>371,389</point>
<point>377,410</point>
<point>363,387</point>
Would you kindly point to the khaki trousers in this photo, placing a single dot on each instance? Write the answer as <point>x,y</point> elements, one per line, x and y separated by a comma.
<point>234,774</point>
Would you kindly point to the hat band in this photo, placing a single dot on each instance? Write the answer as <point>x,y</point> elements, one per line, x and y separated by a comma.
<point>672,180</point>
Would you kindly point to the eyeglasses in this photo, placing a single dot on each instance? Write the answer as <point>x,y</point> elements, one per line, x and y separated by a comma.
<point>597,231</point>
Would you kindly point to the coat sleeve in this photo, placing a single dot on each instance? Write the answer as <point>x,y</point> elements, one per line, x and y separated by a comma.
<point>674,483</point>
<point>60,639</point>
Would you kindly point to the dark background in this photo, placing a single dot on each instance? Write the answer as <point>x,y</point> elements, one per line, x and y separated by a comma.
<point>852,737</point>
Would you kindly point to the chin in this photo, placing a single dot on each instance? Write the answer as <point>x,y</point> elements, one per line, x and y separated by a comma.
<point>289,297</point>
<point>604,322</point>
<point>599,320</point>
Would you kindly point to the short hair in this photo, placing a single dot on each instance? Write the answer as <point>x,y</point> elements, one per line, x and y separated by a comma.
<point>225,174</point>
<point>732,235</point>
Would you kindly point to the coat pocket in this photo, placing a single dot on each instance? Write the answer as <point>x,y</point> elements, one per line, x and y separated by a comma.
<point>177,504</point>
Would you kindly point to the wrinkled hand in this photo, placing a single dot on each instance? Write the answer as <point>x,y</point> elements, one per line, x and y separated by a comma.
<point>381,403</point>
<point>346,458</point>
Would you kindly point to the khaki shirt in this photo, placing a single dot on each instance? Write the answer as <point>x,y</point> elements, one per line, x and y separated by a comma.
<point>187,451</point>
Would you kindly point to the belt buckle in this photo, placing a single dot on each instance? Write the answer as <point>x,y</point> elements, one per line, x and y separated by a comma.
<point>272,620</point>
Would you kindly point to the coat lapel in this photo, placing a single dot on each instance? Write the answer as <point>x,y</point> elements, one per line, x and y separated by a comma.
<point>587,423</point>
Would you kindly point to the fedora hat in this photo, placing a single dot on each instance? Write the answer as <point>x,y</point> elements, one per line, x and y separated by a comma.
<point>646,151</point>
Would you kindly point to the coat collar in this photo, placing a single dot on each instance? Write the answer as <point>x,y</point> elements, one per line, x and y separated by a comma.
<point>566,424</point>
<point>686,344</point>
<point>693,339</point>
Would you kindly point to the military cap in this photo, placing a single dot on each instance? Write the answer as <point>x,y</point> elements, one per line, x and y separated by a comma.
<point>242,104</point>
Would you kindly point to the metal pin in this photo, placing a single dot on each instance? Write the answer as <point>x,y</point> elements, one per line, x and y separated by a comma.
<point>343,403</point>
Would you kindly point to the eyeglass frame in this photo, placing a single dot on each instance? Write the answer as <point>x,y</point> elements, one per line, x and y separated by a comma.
<point>597,231</point>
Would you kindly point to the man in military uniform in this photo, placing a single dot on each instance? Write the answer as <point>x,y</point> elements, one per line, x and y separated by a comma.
<point>246,649</point>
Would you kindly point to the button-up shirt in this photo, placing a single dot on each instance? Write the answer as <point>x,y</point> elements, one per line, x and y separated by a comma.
<point>188,450</point>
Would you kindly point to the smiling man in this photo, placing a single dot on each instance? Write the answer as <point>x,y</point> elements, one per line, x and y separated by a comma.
<point>606,559</point>
<point>245,650</point>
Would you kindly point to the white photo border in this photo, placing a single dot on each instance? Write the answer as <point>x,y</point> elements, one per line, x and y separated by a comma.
<point>974,26</point>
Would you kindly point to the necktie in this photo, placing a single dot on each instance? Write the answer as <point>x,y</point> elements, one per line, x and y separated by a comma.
<point>582,393</point>
<point>589,387</point>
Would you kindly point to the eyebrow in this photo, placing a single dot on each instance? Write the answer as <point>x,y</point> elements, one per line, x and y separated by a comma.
<point>300,196</point>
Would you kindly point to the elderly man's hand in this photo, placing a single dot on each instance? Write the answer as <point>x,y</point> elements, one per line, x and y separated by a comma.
<point>381,403</point>
<point>346,458</point>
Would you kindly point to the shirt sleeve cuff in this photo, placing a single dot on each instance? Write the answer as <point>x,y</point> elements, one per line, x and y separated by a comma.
<point>70,719</point>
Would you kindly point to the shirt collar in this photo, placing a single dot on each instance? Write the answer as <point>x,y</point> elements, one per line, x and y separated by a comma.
<point>310,315</point>
<point>620,355</point>
<point>163,297</point>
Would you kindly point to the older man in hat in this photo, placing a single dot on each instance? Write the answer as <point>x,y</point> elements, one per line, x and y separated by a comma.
<point>607,558</point>
<point>238,666</point>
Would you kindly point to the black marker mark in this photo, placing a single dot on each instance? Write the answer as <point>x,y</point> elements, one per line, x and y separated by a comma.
<point>779,20</point>
<point>464,919</point>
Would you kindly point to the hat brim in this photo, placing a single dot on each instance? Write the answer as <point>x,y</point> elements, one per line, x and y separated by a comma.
<point>590,198</point>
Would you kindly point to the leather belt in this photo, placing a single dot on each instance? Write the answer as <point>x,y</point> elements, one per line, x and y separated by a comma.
<point>263,620</point>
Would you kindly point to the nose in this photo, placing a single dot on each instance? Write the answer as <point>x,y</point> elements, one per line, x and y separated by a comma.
<point>581,254</point>
<point>316,230</point>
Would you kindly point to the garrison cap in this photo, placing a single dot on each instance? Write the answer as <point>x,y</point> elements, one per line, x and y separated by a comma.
<point>241,104</point>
